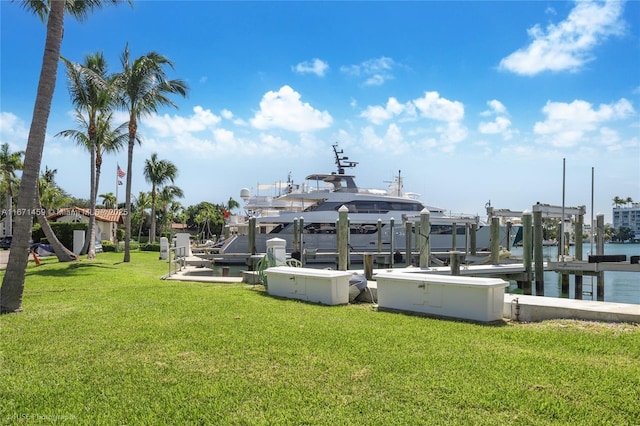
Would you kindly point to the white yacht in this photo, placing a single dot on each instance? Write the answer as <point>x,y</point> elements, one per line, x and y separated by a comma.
<point>313,207</point>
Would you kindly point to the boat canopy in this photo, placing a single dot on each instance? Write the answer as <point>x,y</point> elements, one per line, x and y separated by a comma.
<point>340,182</point>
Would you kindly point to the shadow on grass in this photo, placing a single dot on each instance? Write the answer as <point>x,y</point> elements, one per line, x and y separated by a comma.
<point>75,268</point>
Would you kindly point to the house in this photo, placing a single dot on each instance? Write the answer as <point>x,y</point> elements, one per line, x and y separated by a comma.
<point>107,220</point>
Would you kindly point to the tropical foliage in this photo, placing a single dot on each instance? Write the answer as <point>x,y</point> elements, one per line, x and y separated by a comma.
<point>142,87</point>
<point>158,173</point>
<point>619,202</point>
<point>10,163</point>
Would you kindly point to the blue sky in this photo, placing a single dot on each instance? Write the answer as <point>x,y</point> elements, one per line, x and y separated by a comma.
<point>472,101</point>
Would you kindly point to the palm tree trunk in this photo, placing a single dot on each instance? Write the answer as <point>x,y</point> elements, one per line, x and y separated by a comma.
<point>153,215</point>
<point>127,218</point>
<point>8,227</point>
<point>13,282</point>
<point>62,253</point>
<point>89,245</point>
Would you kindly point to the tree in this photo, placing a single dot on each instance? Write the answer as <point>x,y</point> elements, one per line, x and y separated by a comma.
<point>10,162</point>
<point>108,200</point>
<point>90,95</point>
<point>142,88</point>
<point>142,203</point>
<point>232,204</point>
<point>617,201</point>
<point>53,12</point>
<point>107,139</point>
<point>166,200</point>
<point>206,214</point>
<point>157,173</point>
<point>629,201</point>
<point>624,233</point>
<point>54,198</point>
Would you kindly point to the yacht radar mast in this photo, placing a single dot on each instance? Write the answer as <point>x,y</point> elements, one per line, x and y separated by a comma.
<point>342,162</point>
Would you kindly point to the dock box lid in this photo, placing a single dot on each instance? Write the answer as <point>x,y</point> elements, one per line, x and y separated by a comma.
<point>307,272</point>
<point>443,279</point>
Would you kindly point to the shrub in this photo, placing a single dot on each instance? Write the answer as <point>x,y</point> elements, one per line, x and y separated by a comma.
<point>62,230</point>
<point>150,247</point>
<point>108,246</point>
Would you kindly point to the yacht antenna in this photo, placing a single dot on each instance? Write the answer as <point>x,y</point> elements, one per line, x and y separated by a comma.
<point>342,162</point>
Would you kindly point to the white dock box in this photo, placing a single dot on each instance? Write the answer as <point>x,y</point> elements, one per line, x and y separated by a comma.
<point>478,299</point>
<point>324,286</point>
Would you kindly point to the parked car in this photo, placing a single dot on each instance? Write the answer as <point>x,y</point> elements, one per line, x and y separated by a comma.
<point>41,249</point>
<point>5,243</point>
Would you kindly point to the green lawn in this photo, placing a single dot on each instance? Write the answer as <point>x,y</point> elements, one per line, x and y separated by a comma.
<point>106,343</point>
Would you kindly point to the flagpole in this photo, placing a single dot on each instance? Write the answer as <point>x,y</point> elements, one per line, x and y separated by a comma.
<point>117,182</point>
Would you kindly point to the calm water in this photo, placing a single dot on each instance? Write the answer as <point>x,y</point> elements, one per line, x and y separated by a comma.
<point>621,287</point>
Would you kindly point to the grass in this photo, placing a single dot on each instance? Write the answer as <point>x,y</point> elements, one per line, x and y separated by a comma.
<point>102,342</point>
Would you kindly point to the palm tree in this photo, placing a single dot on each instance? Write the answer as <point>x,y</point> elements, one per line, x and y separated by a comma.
<point>142,203</point>
<point>205,216</point>
<point>175,213</point>
<point>54,197</point>
<point>617,201</point>
<point>166,199</point>
<point>157,173</point>
<point>629,201</point>
<point>90,94</point>
<point>108,200</point>
<point>53,13</point>
<point>143,88</point>
<point>10,162</point>
<point>232,204</point>
<point>107,140</point>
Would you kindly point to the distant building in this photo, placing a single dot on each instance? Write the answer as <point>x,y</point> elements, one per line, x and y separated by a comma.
<point>628,217</point>
<point>107,220</point>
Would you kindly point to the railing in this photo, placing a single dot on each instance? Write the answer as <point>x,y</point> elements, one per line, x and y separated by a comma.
<point>177,257</point>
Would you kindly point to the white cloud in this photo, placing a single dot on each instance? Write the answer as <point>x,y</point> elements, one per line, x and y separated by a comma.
<point>314,66</point>
<point>500,125</point>
<point>228,115</point>
<point>568,44</point>
<point>165,125</point>
<point>377,114</point>
<point>497,107</point>
<point>451,134</point>
<point>449,131</point>
<point>434,107</point>
<point>283,109</point>
<point>13,131</point>
<point>375,71</point>
<point>567,124</point>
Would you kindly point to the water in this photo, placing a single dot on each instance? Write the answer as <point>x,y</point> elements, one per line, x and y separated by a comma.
<point>620,287</point>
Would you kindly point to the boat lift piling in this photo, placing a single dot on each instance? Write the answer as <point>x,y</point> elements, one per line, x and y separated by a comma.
<point>343,234</point>
<point>391,241</point>
<point>495,240</point>
<point>527,250</point>
<point>600,252</point>
<point>408,230</point>
<point>425,230</point>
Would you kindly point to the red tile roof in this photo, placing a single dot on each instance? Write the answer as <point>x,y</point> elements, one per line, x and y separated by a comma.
<point>104,215</point>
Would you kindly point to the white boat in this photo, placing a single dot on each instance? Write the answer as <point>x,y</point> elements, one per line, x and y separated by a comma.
<point>313,206</point>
